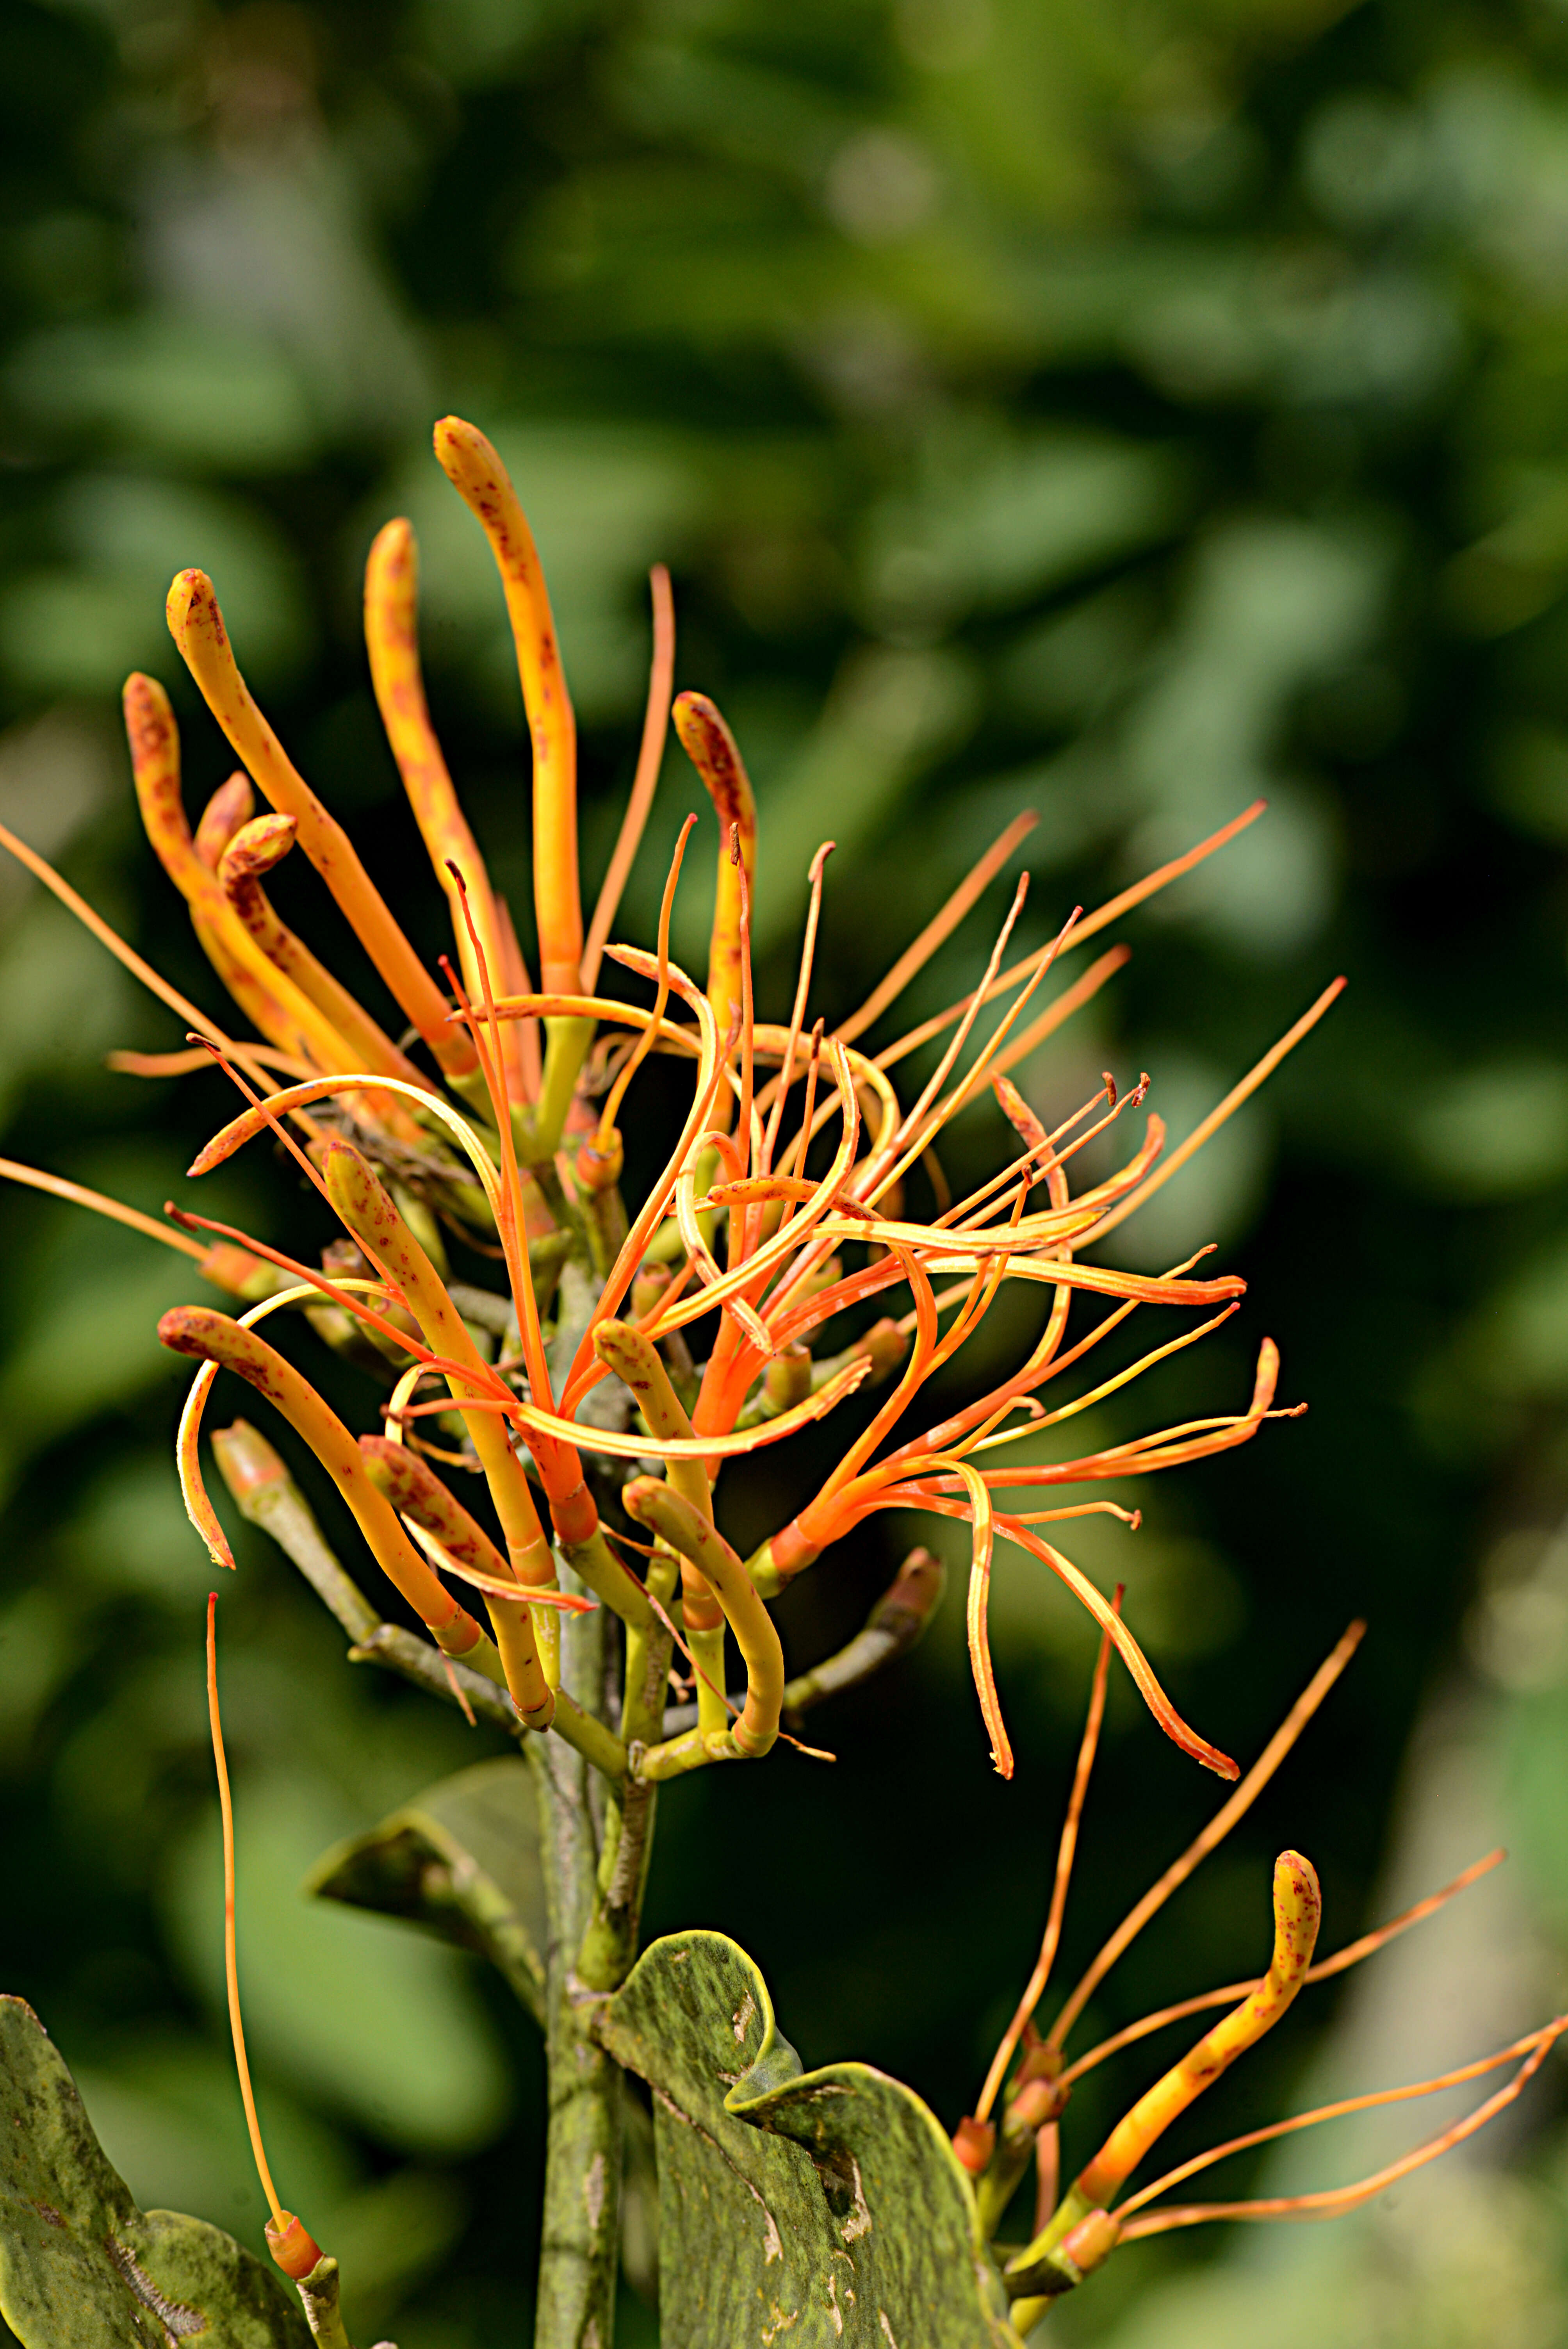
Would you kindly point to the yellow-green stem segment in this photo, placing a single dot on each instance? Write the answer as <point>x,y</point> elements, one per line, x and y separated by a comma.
<point>671,1517</point>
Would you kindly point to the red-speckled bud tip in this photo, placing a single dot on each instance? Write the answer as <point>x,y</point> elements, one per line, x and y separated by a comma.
<point>293,2246</point>
<point>974,2142</point>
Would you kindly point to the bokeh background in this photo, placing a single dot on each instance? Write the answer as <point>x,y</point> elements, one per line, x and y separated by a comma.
<point>1119,408</point>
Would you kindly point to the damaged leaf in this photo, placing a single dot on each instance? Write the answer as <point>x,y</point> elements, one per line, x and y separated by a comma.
<point>80,2266</point>
<point>795,2207</point>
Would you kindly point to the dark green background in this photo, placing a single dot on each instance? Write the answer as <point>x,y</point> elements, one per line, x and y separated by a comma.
<point>1119,409</point>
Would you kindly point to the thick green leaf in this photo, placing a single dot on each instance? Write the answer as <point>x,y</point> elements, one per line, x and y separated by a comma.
<point>461,1858</point>
<point>802,2207</point>
<point>80,2266</point>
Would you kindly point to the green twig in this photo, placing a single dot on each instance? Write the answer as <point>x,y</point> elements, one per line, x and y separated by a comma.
<point>895,1625</point>
<point>576,2308</point>
<point>319,2292</point>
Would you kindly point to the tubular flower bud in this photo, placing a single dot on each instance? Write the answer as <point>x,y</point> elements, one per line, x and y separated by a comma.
<point>196,623</point>
<point>636,1363</point>
<point>476,472</point>
<point>370,1215</point>
<point>254,850</point>
<point>417,1493</point>
<point>294,2248</point>
<point>787,1380</point>
<point>212,1337</point>
<point>974,2142</point>
<point>391,637</point>
<point>1298,1911</point>
<point>234,804</point>
<point>711,748</point>
<point>266,995</point>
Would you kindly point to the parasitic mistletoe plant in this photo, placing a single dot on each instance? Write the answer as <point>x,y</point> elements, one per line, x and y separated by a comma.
<point>543,1488</point>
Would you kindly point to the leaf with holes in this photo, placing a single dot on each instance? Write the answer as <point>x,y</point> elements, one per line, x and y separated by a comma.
<point>80,2266</point>
<point>794,2207</point>
<point>461,1859</point>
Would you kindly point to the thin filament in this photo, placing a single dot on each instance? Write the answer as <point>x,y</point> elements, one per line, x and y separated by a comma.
<point>1033,1989</point>
<point>231,1955</point>
<point>645,1042</point>
<point>1219,1826</point>
<point>650,757</point>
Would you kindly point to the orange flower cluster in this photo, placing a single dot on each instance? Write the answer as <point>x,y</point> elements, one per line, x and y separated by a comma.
<point>776,1229</point>
<point>495,1138</point>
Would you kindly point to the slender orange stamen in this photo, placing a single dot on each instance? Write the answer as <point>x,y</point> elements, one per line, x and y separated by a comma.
<point>132,960</point>
<point>646,1040</point>
<point>916,956</point>
<point>1352,1954</point>
<point>1340,2199</point>
<point>1291,2205</point>
<point>1035,1989</point>
<point>650,757</point>
<point>1214,1834</point>
<point>294,2250</point>
<point>1217,1116</point>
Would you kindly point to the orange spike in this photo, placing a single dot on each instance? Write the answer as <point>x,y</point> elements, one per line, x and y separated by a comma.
<point>392,641</point>
<point>477,473</point>
<point>1086,928</point>
<point>126,956</point>
<point>1217,1116</point>
<point>786,1077</point>
<point>646,1041</point>
<point>196,623</point>
<point>938,929</point>
<point>712,749</point>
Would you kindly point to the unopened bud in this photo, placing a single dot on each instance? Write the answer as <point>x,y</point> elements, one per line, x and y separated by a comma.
<point>240,1274</point>
<point>1035,2103</point>
<point>295,2249</point>
<point>600,1170</point>
<point>247,1459</point>
<point>789,1378</point>
<point>1091,2242</point>
<point>649,1288</point>
<point>974,2142</point>
<point>884,1345</point>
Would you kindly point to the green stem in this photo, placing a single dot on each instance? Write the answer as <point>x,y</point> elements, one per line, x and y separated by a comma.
<point>566,1043</point>
<point>319,2293</point>
<point>576,2307</point>
<point>610,1944</point>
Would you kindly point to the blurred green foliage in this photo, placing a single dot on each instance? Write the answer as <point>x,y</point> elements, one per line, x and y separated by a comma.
<point>1117,409</point>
